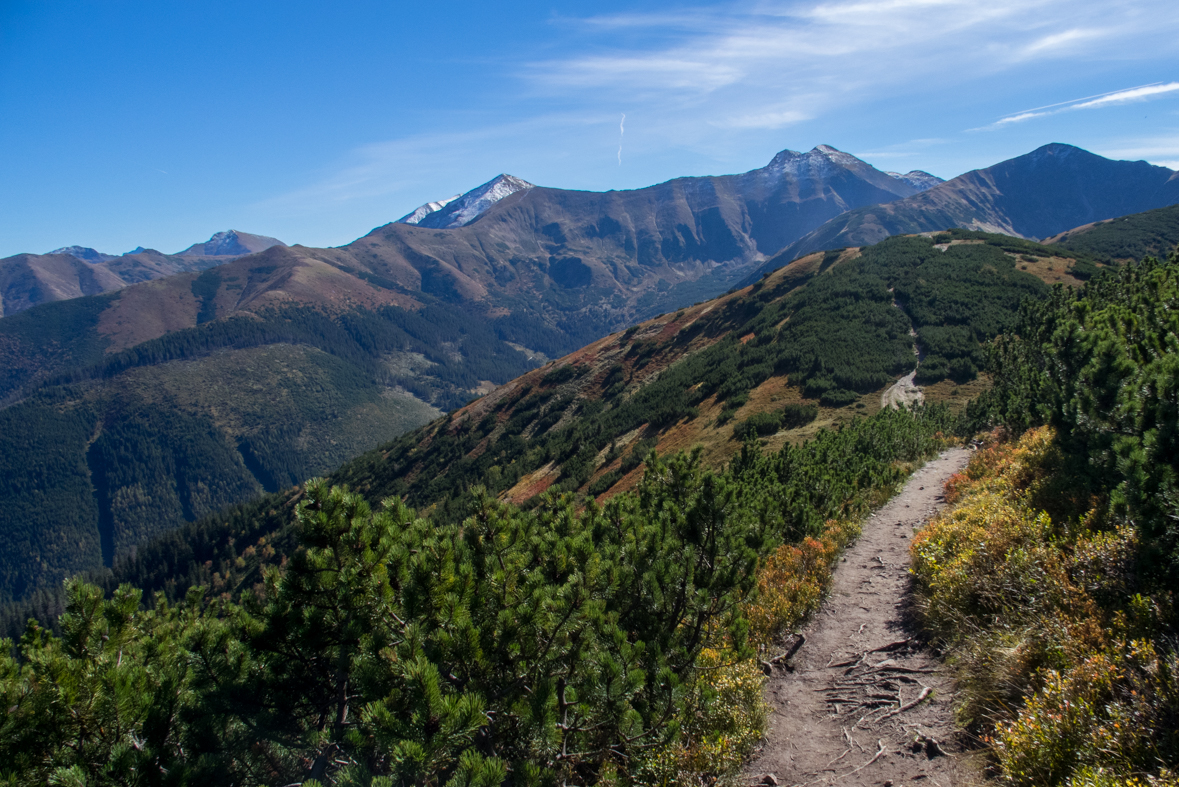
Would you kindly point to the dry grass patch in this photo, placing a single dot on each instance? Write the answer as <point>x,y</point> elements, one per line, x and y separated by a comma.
<point>1051,270</point>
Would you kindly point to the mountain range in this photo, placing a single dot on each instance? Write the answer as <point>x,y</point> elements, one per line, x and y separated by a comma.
<point>128,412</point>
<point>74,271</point>
<point>812,345</point>
<point>1048,191</point>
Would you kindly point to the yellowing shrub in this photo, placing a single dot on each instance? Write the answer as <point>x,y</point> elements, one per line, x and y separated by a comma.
<point>723,722</point>
<point>1111,713</point>
<point>1055,650</point>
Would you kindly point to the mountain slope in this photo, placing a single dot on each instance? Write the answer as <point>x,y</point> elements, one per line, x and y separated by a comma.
<point>602,260</point>
<point>1154,233</point>
<point>812,345</point>
<point>1050,190</point>
<point>29,279</point>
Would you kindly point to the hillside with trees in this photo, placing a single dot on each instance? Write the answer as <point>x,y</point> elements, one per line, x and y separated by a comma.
<point>1154,233</point>
<point>556,645</point>
<point>810,346</point>
<point>1051,583</point>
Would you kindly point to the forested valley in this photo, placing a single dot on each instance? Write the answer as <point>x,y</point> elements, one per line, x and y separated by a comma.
<point>101,452</point>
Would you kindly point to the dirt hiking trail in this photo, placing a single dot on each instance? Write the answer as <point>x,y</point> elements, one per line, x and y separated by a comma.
<point>904,392</point>
<point>865,703</point>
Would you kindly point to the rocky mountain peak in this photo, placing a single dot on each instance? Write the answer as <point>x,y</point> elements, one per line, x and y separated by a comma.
<point>461,211</point>
<point>819,162</point>
<point>231,243</point>
<point>918,179</point>
<point>84,253</point>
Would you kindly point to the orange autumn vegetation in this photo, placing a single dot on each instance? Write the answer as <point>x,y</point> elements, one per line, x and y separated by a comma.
<point>791,581</point>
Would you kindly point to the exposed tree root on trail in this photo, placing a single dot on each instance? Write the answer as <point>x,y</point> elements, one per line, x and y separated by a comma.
<point>859,675</point>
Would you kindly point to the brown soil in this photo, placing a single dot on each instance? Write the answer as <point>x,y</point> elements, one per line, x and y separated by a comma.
<point>866,703</point>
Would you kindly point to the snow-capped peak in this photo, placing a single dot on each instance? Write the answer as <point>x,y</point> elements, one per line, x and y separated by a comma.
<point>220,242</point>
<point>918,179</point>
<point>425,210</point>
<point>460,211</point>
<point>231,243</point>
<point>837,156</point>
<point>84,253</point>
<point>818,162</point>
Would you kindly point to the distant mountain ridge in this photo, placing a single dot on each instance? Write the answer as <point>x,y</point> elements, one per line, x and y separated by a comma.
<point>76,271</point>
<point>918,179</point>
<point>609,258</point>
<point>1048,191</point>
<point>86,254</point>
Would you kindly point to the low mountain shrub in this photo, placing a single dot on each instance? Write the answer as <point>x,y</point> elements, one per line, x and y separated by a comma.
<point>563,644</point>
<point>1065,656</point>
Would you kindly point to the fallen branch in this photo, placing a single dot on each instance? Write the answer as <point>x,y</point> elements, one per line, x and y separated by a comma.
<point>850,662</point>
<point>781,658</point>
<point>875,757</point>
<point>925,692</point>
<point>900,643</point>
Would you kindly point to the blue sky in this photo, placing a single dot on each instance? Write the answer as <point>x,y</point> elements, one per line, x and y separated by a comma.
<point>127,123</point>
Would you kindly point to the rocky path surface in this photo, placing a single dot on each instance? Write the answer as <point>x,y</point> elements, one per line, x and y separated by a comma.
<point>862,702</point>
<point>904,391</point>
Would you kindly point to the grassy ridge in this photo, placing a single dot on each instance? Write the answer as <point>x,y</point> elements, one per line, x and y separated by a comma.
<point>1153,233</point>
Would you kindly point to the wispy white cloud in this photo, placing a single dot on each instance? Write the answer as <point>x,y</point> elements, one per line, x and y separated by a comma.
<point>816,56</point>
<point>1133,94</point>
<point>1125,96</point>
<point>707,76</point>
<point>1019,118</point>
<point>1056,44</point>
